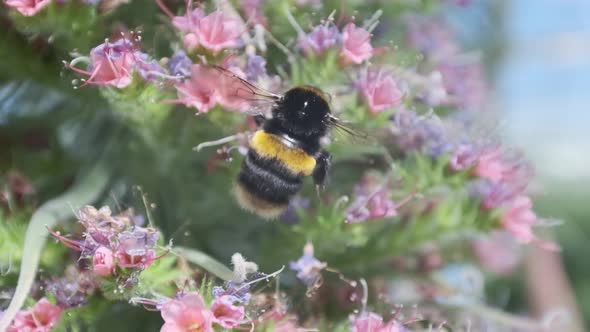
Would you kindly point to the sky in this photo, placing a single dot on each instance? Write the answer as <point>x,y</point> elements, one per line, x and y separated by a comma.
<point>543,86</point>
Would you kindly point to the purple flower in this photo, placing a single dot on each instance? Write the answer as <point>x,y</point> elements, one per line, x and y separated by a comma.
<point>431,37</point>
<point>240,292</point>
<point>464,82</point>
<point>414,133</point>
<point>73,289</point>
<point>308,267</point>
<point>297,203</point>
<point>149,69</point>
<point>180,64</point>
<point>463,157</point>
<point>138,241</point>
<point>320,38</point>
<point>492,195</point>
<point>255,67</point>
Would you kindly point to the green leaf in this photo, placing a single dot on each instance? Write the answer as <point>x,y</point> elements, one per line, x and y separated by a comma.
<point>205,261</point>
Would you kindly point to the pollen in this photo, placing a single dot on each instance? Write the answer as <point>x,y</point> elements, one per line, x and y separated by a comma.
<point>295,159</point>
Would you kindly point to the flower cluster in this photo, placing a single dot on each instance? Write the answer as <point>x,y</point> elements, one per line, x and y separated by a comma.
<point>372,201</point>
<point>114,63</point>
<point>354,42</point>
<point>500,180</point>
<point>188,312</point>
<point>196,311</point>
<point>455,78</point>
<point>117,245</point>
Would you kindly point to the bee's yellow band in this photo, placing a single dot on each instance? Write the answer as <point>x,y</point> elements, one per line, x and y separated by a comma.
<point>270,146</point>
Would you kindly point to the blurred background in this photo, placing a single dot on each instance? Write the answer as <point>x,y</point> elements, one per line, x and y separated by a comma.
<point>538,58</point>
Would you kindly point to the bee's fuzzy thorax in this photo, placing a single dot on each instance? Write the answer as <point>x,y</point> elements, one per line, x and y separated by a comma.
<point>295,159</point>
<point>302,114</point>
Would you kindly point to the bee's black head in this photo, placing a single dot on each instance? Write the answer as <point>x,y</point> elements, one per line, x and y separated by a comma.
<point>304,111</point>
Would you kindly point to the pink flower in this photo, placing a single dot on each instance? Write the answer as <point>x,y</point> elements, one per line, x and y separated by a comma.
<point>214,32</point>
<point>376,206</point>
<point>379,90</point>
<point>356,44</point>
<point>187,314</point>
<point>208,87</point>
<point>490,165</point>
<point>218,31</point>
<point>253,11</point>
<point>371,322</point>
<point>497,253</point>
<point>136,261</point>
<point>226,313</point>
<point>190,21</point>
<point>111,64</point>
<point>518,219</point>
<point>372,201</point>
<point>200,91</point>
<point>27,7</point>
<point>103,262</point>
<point>41,318</point>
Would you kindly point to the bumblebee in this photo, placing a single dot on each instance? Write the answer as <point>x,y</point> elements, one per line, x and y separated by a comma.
<point>285,149</point>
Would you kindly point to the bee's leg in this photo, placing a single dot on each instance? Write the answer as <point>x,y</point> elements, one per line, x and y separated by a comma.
<point>322,168</point>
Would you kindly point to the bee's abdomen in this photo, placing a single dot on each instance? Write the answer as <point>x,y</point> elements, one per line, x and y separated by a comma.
<point>265,186</point>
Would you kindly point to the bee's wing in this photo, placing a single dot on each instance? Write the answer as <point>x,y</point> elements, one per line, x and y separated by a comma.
<point>243,89</point>
<point>259,100</point>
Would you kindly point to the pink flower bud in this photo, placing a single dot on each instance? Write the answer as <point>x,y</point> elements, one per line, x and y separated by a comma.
<point>103,262</point>
<point>356,44</point>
